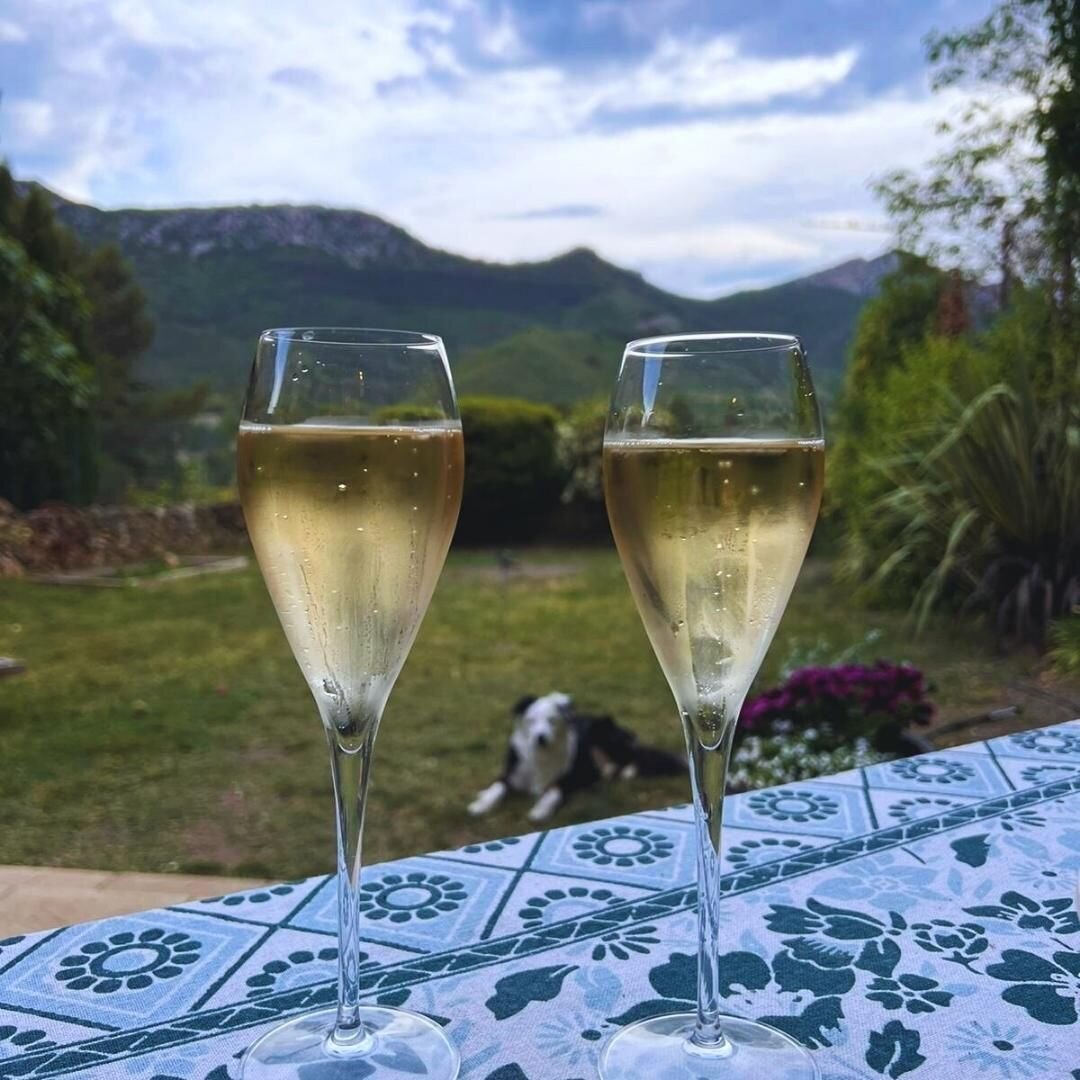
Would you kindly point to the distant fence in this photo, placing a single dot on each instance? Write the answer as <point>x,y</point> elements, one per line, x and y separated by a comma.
<point>61,537</point>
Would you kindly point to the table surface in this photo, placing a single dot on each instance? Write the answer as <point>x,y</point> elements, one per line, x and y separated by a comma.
<point>916,918</point>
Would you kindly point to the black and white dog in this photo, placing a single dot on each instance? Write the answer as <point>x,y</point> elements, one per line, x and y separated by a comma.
<point>556,751</point>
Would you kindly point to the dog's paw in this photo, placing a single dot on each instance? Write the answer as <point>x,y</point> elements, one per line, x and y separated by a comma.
<point>629,772</point>
<point>546,805</point>
<point>488,799</point>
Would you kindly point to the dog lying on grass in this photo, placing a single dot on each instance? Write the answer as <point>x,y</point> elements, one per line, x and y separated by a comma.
<point>555,751</point>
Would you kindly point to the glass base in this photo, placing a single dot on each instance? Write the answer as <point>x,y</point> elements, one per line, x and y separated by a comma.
<point>661,1047</point>
<point>396,1044</point>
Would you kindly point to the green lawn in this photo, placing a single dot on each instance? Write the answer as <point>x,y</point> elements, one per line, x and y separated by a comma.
<point>169,729</point>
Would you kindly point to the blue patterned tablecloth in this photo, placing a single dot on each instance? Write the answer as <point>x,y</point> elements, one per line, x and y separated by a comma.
<point>917,919</point>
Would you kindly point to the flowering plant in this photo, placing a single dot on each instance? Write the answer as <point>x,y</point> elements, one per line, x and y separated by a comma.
<point>822,720</point>
<point>771,760</point>
<point>842,703</point>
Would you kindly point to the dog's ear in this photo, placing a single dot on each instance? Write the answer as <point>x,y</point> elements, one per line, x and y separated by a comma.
<point>522,704</point>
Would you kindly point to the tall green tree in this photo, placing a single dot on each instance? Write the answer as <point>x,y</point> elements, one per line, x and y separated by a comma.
<point>119,332</point>
<point>75,420</point>
<point>47,382</point>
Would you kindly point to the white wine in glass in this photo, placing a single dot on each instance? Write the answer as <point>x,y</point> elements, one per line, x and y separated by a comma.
<point>351,525</point>
<point>350,463</point>
<point>713,472</point>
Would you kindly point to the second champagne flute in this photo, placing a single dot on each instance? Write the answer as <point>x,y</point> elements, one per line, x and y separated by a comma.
<point>713,469</point>
<point>349,463</point>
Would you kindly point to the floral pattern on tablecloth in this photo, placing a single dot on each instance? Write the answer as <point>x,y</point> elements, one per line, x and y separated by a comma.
<point>913,919</point>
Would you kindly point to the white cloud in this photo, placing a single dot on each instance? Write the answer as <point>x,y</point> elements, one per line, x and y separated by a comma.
<point>11,32</point>
<point>31,120</point>
<point>500,39</point>
<point>152,102</point>
<point>711,73</point>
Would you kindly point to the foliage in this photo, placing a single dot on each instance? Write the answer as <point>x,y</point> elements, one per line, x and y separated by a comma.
<point>47,385</point>
<point>580,451</point>
<point>141,429</point>
<point>820,652</point>
<point>119,332</point>
<point>900,316</point>
<point>979,208</point>
<point>957,470</point>
<point>512,476</point>
<point>189,483</point>
<point>994,508</point>
<point>558,367</point>
<point>906,414</point>
<point>768,760</point>
<point>73,327</point>
<point>898,393</point>
<point>842,703</point>
<point>1005,195</point>
<point>1065,644</point>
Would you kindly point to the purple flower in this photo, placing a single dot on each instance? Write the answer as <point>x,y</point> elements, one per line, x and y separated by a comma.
<point>844,701</point>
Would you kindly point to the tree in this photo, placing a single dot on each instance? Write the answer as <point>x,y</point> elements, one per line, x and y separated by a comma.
<point>1057,129</point>
<point>900,316</point>
<point>966,491</point>
<point>46,387</point>
<point>73,325</point>
<point>10,204</point>
<point>138,425</point>
<point>47,382</point>
<point>119,333</point>
<point>1005,196</point>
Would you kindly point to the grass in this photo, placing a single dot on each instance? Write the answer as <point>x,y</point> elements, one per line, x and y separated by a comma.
<point>169,729</point>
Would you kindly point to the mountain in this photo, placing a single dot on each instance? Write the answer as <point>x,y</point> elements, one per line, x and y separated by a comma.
<point>861,277</point>
<point>548,330</point>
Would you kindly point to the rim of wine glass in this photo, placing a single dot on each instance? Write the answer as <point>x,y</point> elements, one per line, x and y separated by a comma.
<point>766,341</point>
<point>356,336</point>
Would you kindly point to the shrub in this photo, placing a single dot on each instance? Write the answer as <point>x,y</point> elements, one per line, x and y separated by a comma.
<point>580,449</point>
<point>967,491</point>
<point>842,704</point>
<point>512,476</point>
<point>823,653</point>
<point>766,761</point>
<point>991,513</point>
<point>904,412</point>
<point>900,316</point>
<point>1065,644</point>
<point>822,719</point>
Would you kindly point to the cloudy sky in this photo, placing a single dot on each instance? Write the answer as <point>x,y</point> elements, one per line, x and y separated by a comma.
<point>707,143</point>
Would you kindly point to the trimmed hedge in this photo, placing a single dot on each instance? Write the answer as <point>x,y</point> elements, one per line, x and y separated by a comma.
<point>513,478</point>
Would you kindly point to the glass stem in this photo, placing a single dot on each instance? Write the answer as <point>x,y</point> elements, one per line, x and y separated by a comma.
<point>708,778</point>
<point>350,764</point>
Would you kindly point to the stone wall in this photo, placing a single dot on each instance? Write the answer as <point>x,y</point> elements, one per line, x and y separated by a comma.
<point>60,537</point>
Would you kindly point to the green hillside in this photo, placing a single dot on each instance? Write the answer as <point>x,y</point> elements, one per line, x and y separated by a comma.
<point>551,331</point>
<point>541,364</point>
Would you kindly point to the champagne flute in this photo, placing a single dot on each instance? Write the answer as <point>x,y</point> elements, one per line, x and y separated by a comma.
<point>349,464</point>
<point>713,470</point>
